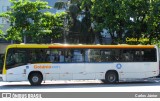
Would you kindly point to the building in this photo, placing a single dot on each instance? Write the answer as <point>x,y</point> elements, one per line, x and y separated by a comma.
<point>4,6</point>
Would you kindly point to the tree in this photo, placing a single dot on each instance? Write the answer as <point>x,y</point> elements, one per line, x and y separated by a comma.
<point>110,15</point>
<point>127,18</point>
<point>1,33</point>
<point>71,24</point>
<point>78,21</point>
<point>145,20</point>
<point>25,18</point>
<point>87,31</point>
<point>53,24</point>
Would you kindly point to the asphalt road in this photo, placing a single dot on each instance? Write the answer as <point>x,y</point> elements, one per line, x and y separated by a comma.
<point>83,86</point>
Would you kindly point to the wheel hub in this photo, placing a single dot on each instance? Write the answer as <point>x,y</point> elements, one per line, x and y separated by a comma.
<point>35,79</point>
<point>111,78</point>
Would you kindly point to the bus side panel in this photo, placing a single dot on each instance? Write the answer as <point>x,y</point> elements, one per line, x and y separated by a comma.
<point>72,71</point>
<point>152,69</point>
<point>132,70</point>
<point>126,70</point>
<point>138,70</point>
<point>97,70</point>
<point>16,74</point>
<point>61,71</point>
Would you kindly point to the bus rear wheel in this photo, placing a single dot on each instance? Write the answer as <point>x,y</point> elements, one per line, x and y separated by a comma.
<point>35,79</point>
<point>111,77</point>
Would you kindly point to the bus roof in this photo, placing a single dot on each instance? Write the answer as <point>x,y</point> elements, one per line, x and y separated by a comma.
<point>63,46</point>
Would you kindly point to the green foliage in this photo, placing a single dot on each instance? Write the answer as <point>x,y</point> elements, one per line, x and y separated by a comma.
<point>51,28</point>
<point>27,20</point>
<point>70,20</point>
<point>60,5</point>
<point>53,23</point>
<point>145,21</point>
<point>14,34</point>
<point>75,30</point>
<point>1,34</point>
<point>128,18</point>
<point>111,15</point>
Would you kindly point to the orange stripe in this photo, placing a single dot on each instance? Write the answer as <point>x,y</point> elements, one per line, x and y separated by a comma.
<point>102,46</point>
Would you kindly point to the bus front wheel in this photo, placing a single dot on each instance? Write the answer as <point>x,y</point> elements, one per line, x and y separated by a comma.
<point>111,77</point>
<point>35,79</point>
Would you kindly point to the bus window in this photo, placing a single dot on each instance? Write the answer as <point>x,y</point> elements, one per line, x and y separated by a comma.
<point>94,55</point>
<point>149,55</point>
<point>74,55</point>
<point>38,55</point>
<point>106,56</point>
<point>116,55</point>
<point>56,55</point>
<point>138,55</point>
<point>68,56</point>
<point>32,56</point>
<point>16,58</point>
<point>127,55</point>
<point>99,55</point>
<point>78,55</point>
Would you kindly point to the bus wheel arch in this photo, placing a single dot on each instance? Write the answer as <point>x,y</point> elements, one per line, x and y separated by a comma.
<point>111,77</point>
<point>35,78</point>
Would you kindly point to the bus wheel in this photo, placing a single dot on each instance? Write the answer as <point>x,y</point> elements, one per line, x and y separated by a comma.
<point>35,78</point>
<point>111,77</point>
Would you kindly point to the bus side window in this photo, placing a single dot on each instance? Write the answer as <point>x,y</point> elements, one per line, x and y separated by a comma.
<point>47,57</point>
<point>94,55</point>
<point>116,55</point>
<point>127,56</point>
<point>16,58</point>
<point>53,57</point>
<point>31,56</point>
<point>149,55</point>
<point>86,55</point>
<point>61,56</point>
<point>138,55</point>
<point>74,55</point>
<point>38,55</point>
<point>77,55</point>
<point>105,55</point>
<point>68,56</point>
<point>10,58</point>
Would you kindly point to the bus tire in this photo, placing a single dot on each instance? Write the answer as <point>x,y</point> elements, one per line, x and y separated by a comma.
<point>35,78</point>
<point>111,77</point>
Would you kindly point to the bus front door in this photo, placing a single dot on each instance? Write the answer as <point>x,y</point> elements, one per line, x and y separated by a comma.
<point>16,65</point>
